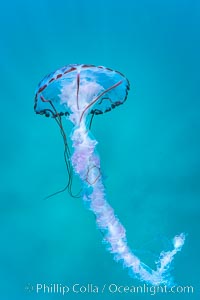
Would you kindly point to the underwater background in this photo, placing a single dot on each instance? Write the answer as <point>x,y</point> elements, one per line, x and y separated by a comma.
<point>149,147</point>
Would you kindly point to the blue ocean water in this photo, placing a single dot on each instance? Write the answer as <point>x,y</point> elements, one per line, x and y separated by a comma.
<point>149,147</point>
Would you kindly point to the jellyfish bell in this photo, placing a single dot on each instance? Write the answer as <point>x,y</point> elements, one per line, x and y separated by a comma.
<point>79,90</point>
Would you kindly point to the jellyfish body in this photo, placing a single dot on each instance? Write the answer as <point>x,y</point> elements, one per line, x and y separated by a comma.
<point>78,91</point>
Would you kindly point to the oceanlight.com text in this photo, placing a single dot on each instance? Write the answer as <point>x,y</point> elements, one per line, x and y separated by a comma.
<point>111,288</point>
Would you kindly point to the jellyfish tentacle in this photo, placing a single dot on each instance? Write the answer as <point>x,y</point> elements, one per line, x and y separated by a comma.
<point>67,159</point>
<point>91,120</point>
<point>96,177</point>
<point>78,85</point>
<point>98,97</point>
<point>56,193</point>
<point>67,154</point>
<point>86,158</point>
<point>105,98</point>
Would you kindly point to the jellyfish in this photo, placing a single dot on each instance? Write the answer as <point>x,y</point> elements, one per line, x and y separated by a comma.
<point>78,92</point>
